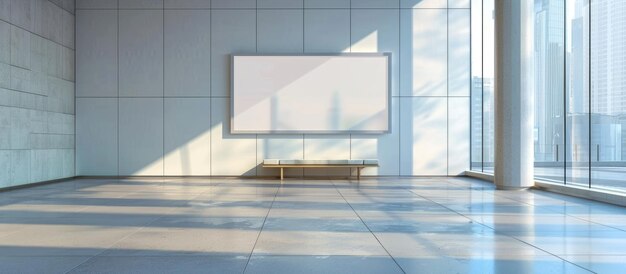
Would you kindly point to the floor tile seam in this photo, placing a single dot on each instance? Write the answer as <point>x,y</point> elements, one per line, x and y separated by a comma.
<point>166,214</point>
<point>509,236</point>
<point>143,226</point>
<point>120,197</point>
<point>477,220</point>
<point>318,255</point>
<point>518,214</point>
<point>457,212</point>
<point>260,231</point>
<point>597,223</point>
<point>561,213</point>
<point>105,249</point>
<point>526,203</point>
<point>594,254</point>
<point>79,264</point>
<point>601,228</point>
<point>559,256</point>
<point>370,231</point>
<point>230,194</point>
<point>44,256</point>
<point>507,231</point>
<point>197,196</point>
<point>529,204</point>
<point>139,256</point>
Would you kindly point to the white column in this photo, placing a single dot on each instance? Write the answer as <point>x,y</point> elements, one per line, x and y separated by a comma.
<point>514,94</point>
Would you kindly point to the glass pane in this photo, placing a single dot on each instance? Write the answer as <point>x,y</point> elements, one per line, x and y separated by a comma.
<point>578,93</point>
<point>476,123</point>
<point>482,120</point>
<point>488,85</point>
<point>608,94</point>
<point>549,54</point>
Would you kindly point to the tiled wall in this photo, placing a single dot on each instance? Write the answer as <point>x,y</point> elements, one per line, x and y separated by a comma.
<point>36,91</point>
<point>153,83</point>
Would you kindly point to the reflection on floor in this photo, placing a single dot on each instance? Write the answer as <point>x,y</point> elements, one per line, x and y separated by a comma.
<point>392,225</point>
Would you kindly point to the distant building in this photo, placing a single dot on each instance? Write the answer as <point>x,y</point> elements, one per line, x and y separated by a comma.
<point>608,74</point>
<point>482,121</point>
<point>556,62</point>
<point>549,70</point>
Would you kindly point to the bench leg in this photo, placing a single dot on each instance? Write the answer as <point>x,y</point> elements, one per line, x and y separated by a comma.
<point>358,173</point>
<point>281,174</point>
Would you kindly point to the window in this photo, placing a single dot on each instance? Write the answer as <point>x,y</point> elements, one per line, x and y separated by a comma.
<point>482,89</point>
<point>580,91</point>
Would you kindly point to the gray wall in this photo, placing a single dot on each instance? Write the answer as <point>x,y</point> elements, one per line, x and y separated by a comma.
<point>153,83</point>
<point>36,91</point>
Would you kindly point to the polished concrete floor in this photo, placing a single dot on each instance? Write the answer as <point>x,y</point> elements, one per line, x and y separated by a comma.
<point>392,225</point>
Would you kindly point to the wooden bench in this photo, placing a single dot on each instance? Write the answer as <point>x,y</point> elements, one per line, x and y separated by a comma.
<point>287,163</point>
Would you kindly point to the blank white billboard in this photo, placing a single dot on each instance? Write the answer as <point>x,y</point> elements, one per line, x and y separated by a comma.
<point>346,93</point>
